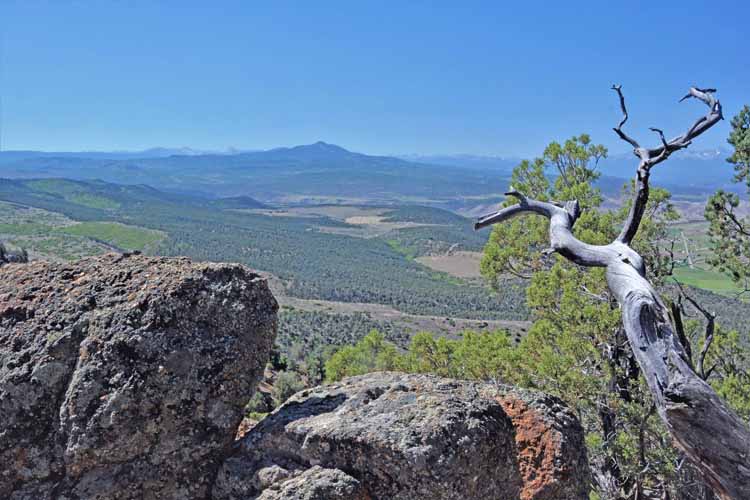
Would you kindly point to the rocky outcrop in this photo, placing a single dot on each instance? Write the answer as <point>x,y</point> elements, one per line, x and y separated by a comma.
<point>125,376</point>
<point>396,436</point>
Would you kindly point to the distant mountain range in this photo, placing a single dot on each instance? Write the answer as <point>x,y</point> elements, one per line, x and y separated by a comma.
<point>707,169</point>
<point>327,173</point>
<point>158,152</point>
<point>704,170</point>
<point>319,172</point>
<point>493,163</point>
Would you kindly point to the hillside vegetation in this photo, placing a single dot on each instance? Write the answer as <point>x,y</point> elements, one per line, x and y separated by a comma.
<point>315,252</point>
<point>304,251</point>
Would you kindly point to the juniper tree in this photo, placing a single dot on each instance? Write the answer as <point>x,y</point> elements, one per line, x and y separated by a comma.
<point>707,431</point>
<point>576,348</point>
<point>730,233</point>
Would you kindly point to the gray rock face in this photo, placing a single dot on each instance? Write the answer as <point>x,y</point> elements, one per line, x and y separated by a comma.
<point>126,377</point>
<point>412,437</point>
<point>316,483</point>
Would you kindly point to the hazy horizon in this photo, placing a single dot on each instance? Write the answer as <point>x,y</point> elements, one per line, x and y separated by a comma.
<point>230,150</point>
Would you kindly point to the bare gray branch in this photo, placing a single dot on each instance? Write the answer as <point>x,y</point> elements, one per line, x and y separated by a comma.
<point>618,128</point>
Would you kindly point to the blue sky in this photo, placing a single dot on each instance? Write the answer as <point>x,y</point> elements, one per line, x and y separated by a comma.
<point>378,77</point>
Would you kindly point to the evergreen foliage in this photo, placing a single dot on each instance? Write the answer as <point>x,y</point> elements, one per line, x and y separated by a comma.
<point>730,233</point>
<point>576,348</point>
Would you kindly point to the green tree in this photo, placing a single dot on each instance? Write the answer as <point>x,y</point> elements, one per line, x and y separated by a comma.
<point>576,348</point>
<point>286,384</point>
<point>478,356</point>
<point>739,138</point>
<point>258,405</point>
<point>730,233</point>
<point>518,247</point>
<point>728,362</point>
<point>372,353</point>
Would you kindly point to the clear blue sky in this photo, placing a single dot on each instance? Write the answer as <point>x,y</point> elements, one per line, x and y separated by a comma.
<point>378,77</point>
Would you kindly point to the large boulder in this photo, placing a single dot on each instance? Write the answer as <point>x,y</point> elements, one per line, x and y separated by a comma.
<point>125,376</point>
<point>396,436</point>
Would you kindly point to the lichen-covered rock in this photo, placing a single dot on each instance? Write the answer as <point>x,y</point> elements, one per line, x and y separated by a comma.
<point>125,376</point>
<point>413,437</point>
<point>316,483</point>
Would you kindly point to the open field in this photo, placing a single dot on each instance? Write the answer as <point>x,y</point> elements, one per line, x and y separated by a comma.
<point>692,208</point>
<point>54,247</point>
<point>356,221</point>
<point>461,264</point>
<point>337,212</point>
<point>692,249</point>
<point>116,234</point>
<point>707,279</point>
<point>41,233</point>
<point>691,242</point>
<point>51,235</point>
<point>369,226</point>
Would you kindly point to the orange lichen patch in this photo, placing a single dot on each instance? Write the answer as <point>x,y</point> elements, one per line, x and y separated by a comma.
<point>245,426</point>
<point>539,450</point>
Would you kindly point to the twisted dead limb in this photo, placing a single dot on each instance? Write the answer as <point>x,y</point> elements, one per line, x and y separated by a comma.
<point>709,433</point>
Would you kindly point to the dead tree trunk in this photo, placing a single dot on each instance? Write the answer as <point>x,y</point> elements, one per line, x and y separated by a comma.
<point>709,433</point>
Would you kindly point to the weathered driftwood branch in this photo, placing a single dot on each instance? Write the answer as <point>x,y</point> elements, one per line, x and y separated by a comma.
<point>710,434</point>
